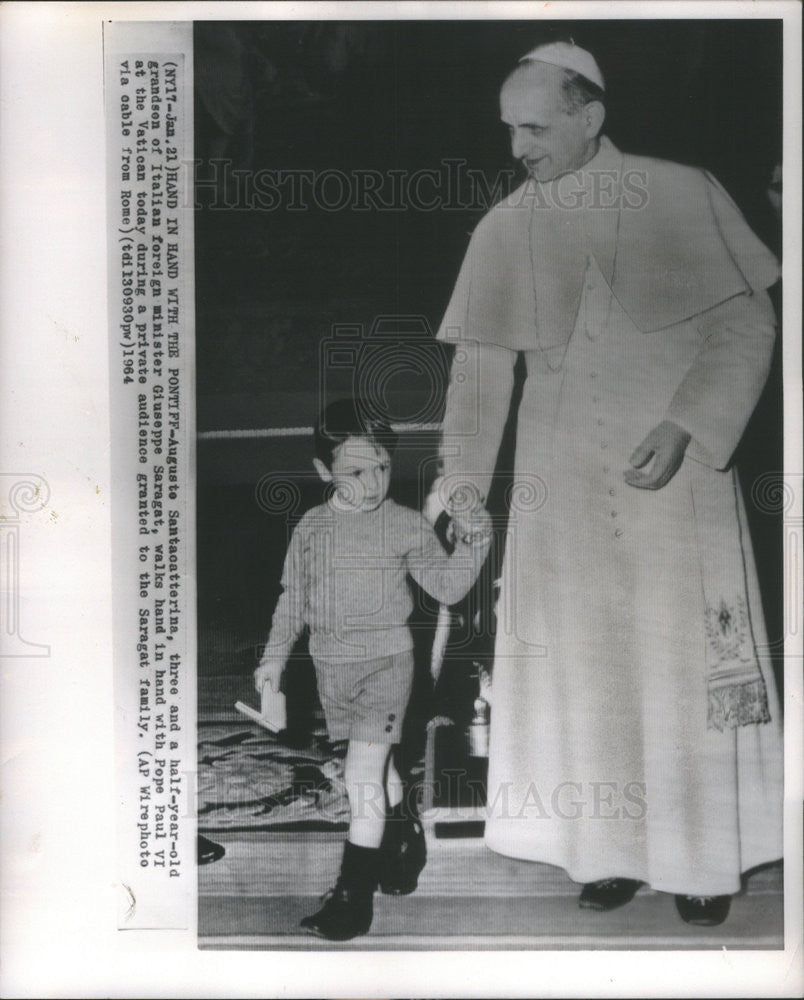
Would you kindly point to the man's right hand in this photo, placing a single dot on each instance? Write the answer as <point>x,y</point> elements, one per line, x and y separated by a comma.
<point>461,499</point>
<point>269,671</point>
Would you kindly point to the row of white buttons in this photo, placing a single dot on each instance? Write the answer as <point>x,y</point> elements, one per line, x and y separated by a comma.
<point>618,532</point>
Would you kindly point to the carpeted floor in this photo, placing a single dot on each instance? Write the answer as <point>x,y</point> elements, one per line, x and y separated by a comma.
<point>281,814</point>
<point>247,780</point>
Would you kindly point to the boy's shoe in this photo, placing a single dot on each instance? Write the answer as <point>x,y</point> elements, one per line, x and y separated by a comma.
<point>208,851</point>
<point>608,893</point>
<point>348,907</point>
<point>403,853</point>
<point>346,914</point>
<point>704,911</point>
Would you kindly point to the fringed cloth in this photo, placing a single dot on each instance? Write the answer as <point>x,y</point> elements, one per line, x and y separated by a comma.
<point>735,687</point>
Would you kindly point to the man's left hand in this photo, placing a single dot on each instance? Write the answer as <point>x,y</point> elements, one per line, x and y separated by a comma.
<point>666,444</point>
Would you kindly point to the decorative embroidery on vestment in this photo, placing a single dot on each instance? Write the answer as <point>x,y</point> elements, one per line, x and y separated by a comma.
<point>728,633</point>
<point>737,694</point>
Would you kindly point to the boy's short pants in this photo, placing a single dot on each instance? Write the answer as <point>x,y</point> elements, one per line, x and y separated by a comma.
<point>365,699</point>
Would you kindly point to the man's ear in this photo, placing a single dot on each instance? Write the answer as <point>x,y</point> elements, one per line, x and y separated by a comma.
<point>322,470</point>
<point>594,115</point>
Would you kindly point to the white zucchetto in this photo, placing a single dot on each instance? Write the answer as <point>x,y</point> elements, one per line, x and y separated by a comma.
<point>567,56</point>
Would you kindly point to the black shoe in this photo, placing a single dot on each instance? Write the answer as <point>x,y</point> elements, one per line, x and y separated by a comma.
<point>608,894</point>
<point>348,908</point>
<point>703,911</point>
<point>403,853</point>
<point>346,914</point>
<point>208,851</point>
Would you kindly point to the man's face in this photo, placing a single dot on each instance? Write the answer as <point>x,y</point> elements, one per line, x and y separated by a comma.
<point>549,141</point>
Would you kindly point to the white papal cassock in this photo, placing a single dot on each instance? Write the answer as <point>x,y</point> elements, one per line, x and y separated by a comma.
<point>635,724</point>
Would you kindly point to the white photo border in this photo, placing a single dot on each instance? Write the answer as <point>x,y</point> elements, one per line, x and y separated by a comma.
<point>60,884</point>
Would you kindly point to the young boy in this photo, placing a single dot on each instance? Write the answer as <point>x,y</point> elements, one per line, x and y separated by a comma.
<point>345,578</point>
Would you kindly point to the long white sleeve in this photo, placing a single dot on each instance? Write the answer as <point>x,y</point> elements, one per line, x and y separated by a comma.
<point>478,398</point>
<point>717,396</point>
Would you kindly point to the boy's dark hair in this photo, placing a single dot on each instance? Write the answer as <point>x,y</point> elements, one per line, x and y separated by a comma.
<point>347,418</point>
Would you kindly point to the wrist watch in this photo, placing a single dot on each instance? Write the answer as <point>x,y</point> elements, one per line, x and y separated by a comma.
<point>476,537</point>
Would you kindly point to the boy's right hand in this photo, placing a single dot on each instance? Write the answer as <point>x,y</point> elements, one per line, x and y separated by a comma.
<point>269,671</point>
<point>472,527</point>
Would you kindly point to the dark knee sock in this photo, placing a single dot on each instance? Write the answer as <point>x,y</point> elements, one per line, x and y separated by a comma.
<point>396,813</point>
<point>359,867</point>
<point>407,807</point>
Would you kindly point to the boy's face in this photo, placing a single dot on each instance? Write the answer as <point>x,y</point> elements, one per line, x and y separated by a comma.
<point>360,473</point>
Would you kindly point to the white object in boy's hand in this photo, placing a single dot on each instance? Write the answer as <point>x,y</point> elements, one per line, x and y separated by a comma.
<point>273,710</point>
<point>270,672</point>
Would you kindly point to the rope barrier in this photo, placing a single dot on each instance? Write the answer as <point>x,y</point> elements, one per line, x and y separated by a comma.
<point>275,432</point>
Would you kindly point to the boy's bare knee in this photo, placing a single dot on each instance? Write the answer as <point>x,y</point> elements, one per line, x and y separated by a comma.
<point>364,770</point>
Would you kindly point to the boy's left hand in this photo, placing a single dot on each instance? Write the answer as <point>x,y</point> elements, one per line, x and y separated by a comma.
<point>270,672</point>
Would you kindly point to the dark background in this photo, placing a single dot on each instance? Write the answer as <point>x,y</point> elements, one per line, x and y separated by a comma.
<point>271,285</point>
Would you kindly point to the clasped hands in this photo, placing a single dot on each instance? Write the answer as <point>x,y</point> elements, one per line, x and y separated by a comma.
<point>470,521</point>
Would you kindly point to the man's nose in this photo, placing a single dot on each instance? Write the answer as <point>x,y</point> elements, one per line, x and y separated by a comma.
<point>521,143</point>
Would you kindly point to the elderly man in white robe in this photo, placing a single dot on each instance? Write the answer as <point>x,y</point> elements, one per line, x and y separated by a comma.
<point>635,731</point>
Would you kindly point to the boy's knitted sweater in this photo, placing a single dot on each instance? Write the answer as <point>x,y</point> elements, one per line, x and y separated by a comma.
<point>345,577</point>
